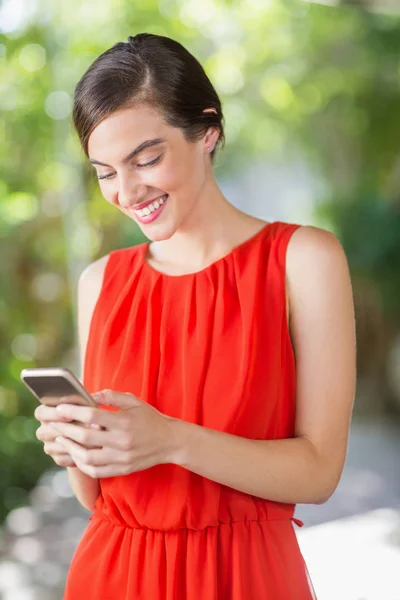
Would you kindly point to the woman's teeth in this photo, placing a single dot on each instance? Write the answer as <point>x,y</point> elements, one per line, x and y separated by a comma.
<point>147,210</point>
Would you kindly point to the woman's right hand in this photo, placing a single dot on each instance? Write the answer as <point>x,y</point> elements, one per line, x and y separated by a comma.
<point>47,434</point>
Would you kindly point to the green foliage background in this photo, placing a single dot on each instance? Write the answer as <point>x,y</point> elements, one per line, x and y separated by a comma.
<point>292,76</point>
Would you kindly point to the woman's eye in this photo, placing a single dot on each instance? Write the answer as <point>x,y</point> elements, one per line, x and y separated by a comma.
<point>152,162</point>
<point>149,164</point>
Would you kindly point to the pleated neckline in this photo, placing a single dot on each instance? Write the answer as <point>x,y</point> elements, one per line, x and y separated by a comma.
<point>147,267</point>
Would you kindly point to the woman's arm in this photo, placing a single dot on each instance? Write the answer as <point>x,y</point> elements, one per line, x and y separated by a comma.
<point>307,468</point>
<point>85,488</point>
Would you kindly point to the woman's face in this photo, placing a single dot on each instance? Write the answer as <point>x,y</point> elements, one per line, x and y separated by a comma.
<point>164,167</point>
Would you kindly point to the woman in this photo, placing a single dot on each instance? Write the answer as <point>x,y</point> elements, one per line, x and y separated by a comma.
<point>216,414</point>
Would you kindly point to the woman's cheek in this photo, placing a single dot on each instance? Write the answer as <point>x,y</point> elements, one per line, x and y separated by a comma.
<point>169,179</point>
<point>182,173</point>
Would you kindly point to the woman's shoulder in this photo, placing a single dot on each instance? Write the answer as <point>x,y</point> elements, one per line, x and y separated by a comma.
<point>311,243</point>
<point>316,263</point>
<point>93,274</point>
<point>89,287</point>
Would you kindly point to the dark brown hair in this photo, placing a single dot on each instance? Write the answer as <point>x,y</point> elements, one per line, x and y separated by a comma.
<point>151,69</point>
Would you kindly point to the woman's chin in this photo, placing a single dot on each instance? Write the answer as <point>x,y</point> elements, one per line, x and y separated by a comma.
<point>157,232</point>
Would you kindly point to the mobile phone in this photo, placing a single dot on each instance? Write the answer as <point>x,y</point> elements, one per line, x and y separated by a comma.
<point>49,385</point>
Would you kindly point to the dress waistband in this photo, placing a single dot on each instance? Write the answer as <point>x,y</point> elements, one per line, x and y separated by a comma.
<point>274,512</point>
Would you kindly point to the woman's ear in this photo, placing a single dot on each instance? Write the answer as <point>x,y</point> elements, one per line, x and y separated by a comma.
<point>212,134</point>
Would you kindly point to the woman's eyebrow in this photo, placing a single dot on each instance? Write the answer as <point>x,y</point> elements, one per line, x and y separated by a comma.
<point>140,148</point>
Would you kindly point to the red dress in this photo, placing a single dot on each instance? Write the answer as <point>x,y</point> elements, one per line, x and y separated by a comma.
<point>211,348</point>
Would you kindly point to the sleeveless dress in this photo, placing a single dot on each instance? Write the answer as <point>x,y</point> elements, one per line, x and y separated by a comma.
<point>211,348</point>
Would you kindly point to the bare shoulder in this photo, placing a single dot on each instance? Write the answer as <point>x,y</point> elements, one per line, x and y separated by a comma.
<point>94,271</point>
<point>312,255</point>
<point>89,288</point>
<point>315,255</point>
<point>316,266</point>
<point>89,285</point>
<point>315,244</point>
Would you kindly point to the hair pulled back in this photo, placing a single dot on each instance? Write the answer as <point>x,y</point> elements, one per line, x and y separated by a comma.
<point>154,70</point>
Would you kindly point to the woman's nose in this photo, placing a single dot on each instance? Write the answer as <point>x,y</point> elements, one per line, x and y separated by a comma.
<point>130,193</point>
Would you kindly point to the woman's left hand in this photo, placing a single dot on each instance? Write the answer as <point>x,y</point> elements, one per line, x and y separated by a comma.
<point>134,438</point>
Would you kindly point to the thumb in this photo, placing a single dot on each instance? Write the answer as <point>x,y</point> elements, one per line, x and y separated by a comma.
<point>122,400</point>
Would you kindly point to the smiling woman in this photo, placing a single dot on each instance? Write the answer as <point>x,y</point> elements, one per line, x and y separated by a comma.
<point>165,164</point>
<point>169,164</point>
<point>221,403</point>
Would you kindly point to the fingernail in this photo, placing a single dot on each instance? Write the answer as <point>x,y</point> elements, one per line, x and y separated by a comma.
<point>59,440</point>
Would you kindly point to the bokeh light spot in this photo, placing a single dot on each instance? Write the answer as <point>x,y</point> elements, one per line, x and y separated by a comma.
<point>32,57</point>
<point>225,68</point>
<point>19,207</point>
<point>16,429</point>
<point>47,287</point>
<point>28,550</point>
<point>8,96</point>
<point>194,13</point>
<point>22,521</point>
<point>24,346</point>
<point>12,576</point>
<point>85,240</point>
<point>58,105</point>
<point>277,92</point>
<point>15,15</point>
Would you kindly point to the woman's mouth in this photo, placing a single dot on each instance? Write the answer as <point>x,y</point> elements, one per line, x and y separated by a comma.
<point>150,212</point>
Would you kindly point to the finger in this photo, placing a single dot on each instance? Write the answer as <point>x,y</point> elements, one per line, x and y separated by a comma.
<point>48,413</point>
<point>64,460</point>
<point>94,456</point>
<point>87,414</point>
<point>83,435</point>
<point>59,455</point>
<point>46,433</point>
<point>93,438</point>
<point>53,448</point>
